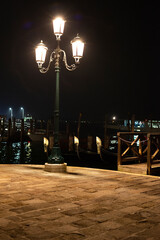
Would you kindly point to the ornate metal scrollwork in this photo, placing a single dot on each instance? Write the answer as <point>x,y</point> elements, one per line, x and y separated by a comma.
<point>53,57</point>
<point>43,69</point>
<point>68,67</point>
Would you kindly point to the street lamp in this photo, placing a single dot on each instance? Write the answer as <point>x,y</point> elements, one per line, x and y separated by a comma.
<point>40,51</point>
<point>114,118</point>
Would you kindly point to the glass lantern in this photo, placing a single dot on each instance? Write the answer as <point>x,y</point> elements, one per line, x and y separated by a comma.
<point>77,48</point>
<point>58,27</point>
<point>40,52</point>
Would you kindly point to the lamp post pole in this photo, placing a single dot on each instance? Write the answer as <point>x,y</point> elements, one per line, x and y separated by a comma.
<point>77,52</point>
<point>56,156</point>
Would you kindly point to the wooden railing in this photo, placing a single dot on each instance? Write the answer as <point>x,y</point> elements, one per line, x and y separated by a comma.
<point>139,147</point>
<point>153,151</point>
<point>134,150</point>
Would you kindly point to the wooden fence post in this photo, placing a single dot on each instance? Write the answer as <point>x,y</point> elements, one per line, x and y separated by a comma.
<point>119,162</point>
<point>71,143</point>
<point>149,154</point>
<point>90,143</point>
<point>140,150</point>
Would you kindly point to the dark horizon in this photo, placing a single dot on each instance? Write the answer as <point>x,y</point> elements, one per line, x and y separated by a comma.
<point>119,72</point>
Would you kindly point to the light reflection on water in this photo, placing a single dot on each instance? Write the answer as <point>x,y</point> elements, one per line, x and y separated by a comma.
<point>22,153</point>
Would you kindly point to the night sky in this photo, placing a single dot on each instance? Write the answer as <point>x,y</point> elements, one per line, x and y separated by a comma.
<point>119,72</point>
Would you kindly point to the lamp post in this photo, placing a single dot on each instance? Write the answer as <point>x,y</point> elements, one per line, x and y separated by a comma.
<point>77,52</point>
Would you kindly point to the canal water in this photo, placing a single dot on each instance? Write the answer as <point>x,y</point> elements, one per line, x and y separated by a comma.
<point>22,153</point>
<point>32,152</point>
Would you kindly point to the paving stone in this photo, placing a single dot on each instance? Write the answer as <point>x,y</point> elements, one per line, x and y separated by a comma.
<point>92,231</point>
<point>73,236</point>
<point>66,228</point>
<point>108,225</point>
<point>66,219</point>
<point>45,235</point>
<point>74,211</point>
<point>4,222</point>
<point>4,236</point>
<point>83,223</point>
<point>82,204</point>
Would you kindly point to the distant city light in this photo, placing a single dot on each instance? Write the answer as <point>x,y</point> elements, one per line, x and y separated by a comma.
<point>22,110</point>
<point>11,111</point>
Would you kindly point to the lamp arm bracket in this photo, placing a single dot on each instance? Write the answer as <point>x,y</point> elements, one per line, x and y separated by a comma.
<point>43,69</point>
<point>68,67</point>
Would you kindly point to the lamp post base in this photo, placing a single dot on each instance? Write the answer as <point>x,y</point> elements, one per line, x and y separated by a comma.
<point>56,157</point>
<point>56,168</point>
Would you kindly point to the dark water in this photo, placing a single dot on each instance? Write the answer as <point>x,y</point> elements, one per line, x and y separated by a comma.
<point>33,153</point>
<point>22,153</point>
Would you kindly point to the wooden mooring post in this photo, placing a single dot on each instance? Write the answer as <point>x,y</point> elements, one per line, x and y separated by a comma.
<point>106,134</point>
<point>71,143</point>
<point>79,124</point>
<point>119,158</point>
<point>90,142</point>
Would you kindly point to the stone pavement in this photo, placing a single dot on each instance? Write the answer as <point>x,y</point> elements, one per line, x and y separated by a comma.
<point>82,204</point>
